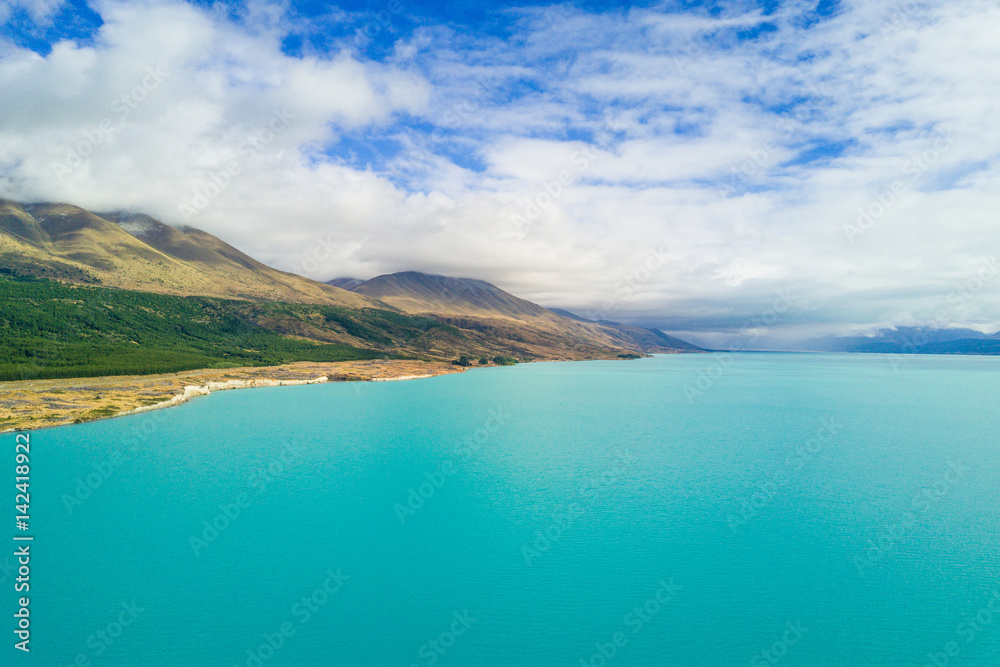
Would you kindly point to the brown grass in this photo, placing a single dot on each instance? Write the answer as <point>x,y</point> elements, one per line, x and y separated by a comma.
<point>33,404</point>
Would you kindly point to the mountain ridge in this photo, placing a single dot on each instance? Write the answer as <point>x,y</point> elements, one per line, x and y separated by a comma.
<point>909,340</point>
<point>136,251</point>
<point>469,300</point>
<point>411,314</point>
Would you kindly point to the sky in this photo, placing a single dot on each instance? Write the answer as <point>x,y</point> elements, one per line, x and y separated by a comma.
<point>764,171</point>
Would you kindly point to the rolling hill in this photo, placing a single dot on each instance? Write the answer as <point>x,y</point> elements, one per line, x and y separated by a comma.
<point>135,251</point>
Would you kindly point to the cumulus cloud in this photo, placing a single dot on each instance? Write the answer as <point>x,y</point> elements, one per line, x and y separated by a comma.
<point>849,159</point>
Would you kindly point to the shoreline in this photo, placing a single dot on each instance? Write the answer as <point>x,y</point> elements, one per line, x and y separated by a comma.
<point>192,391</point>
<point>31,405</point>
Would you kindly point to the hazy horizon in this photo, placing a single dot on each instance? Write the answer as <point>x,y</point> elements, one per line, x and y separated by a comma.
<point>791,169</point>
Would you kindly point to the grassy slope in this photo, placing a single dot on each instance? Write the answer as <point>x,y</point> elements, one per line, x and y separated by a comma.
<point>525,328</point>
<point>70,244</point>
<point>52,330</point>
<point>242,311</point>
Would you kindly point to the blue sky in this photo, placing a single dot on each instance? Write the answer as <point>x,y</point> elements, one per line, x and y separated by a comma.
<point>847,151</point>
<point>321,26</point>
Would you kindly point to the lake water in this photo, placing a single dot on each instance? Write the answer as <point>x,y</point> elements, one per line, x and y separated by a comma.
<point>821,510</point>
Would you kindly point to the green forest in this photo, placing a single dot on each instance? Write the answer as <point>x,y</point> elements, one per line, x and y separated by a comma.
<point>52,330</point>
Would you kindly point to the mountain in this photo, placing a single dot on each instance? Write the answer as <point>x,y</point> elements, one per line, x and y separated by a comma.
<point>415,292</point>
<point>480,306</point>
<point>573,316</point>
<point>641,335</point>
<point>989,345</point>
<point>121,292</point>
<point>345,283</point>
<point>910,340</point>
<point>653,339</point>
<point>134,251</point>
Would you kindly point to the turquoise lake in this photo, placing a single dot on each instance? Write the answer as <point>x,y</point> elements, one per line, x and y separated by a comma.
<point>820,510</point>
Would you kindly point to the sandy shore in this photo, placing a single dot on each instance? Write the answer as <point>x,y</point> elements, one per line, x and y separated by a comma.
<point>34,404</point>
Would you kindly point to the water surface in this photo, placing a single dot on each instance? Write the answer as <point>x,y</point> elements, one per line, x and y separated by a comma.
<point>828,509</point>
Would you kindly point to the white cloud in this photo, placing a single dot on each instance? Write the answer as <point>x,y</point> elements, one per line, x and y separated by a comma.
<point>166,97</point>
<point>40,11</point>
<point>697,141</point>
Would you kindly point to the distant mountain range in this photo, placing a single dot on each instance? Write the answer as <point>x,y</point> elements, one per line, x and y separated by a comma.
<point>404,314</point>
<point>238,310</point>
<point>910,340</point>
<point>479,305</point>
